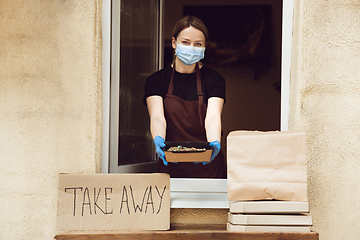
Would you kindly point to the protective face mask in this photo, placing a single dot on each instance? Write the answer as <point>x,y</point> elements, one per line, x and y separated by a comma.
<point>189,54</point>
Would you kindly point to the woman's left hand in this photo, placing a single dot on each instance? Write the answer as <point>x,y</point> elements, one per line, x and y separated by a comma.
<point>216,146</point>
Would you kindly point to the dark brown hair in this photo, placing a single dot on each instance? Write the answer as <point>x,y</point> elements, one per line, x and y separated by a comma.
<point>188,21</point>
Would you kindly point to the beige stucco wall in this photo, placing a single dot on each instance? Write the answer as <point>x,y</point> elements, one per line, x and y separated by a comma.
<point>50,110</point>
<point>325,102</point>
<point>50,107</point>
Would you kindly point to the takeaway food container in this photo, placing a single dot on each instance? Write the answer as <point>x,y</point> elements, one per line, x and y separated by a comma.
<point>202,155</point>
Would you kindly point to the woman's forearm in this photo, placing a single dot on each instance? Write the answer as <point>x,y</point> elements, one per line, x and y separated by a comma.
<point>213,119</point>
<point>158,127</point>
<point>213,128</point>
<point>157,118</point>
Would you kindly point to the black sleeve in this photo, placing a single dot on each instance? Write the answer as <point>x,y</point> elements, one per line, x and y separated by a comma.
<point>155,85</point>
<point>216,86</point>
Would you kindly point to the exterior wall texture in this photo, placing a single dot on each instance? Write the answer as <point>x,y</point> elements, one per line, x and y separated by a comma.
<point>50,107</point>
<point>325,97</point>
<point>50,110</point>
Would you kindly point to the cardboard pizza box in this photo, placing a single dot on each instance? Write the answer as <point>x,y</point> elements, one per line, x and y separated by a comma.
<point>269,207</point>
<point>270,220</point>
<point>241,228</point>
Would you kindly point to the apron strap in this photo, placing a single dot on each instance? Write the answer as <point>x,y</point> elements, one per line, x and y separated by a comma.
<point>171,86</point>
<point>200,93</point>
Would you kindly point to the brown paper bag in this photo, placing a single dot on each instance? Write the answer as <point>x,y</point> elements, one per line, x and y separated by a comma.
<point>266,166</point>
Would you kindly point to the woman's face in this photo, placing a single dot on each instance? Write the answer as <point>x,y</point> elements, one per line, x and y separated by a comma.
<point>190,36</point>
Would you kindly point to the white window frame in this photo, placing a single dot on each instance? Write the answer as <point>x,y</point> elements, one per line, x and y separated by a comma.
<point>192,193</point>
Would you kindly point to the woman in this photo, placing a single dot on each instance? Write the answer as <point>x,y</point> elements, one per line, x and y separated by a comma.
<point>185,102</point>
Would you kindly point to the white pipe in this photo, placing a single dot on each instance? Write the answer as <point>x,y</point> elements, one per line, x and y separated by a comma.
<point>106,33</point>
<point>287,30</point>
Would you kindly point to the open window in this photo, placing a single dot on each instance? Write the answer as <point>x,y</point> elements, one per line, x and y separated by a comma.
<point>135,46</point>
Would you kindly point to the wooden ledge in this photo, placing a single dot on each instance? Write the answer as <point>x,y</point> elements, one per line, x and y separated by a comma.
<point>189,232</point>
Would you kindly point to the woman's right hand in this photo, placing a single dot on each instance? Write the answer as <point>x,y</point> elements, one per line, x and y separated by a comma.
<point>160,144</point>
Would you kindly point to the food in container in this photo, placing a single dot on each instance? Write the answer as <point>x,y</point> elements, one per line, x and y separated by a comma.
<point>187,151</point>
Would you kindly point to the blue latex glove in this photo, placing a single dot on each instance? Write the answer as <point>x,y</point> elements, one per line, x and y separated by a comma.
<point>160,144</point>
<point>215,145</point>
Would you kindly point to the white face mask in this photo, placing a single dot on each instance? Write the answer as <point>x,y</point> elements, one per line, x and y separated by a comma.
<point>189,54</point>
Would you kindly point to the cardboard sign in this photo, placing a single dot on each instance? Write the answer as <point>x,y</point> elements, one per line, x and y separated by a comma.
<point>114,202</point>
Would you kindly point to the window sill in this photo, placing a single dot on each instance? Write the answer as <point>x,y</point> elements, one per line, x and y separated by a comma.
<point>190,232</point>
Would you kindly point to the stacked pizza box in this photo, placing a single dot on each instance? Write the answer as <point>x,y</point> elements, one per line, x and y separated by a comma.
<point>269,216</point>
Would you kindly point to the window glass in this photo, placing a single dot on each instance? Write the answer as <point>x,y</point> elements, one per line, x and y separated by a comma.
<point>138,59</point>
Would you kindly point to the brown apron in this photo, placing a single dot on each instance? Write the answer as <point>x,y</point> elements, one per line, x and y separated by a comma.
<point>186,122</point>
